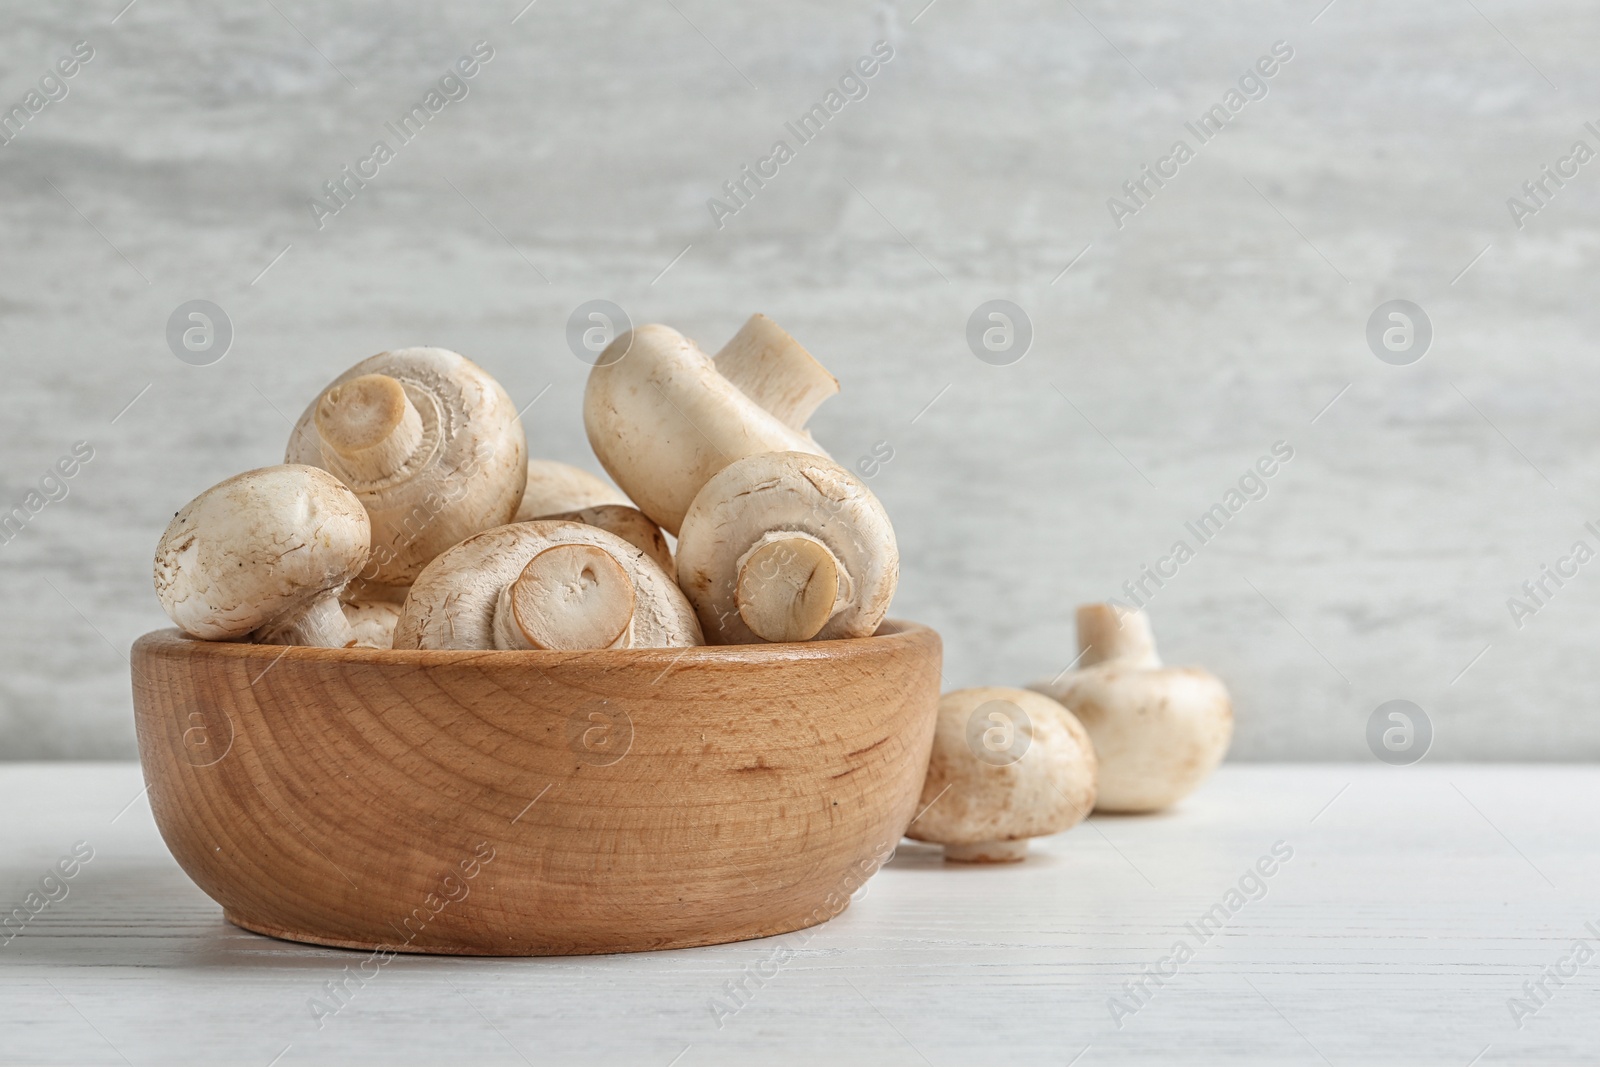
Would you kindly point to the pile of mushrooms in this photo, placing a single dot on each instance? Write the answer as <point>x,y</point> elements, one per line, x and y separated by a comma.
<point>407,514</point>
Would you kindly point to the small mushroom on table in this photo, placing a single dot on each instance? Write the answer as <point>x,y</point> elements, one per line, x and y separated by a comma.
<point>787,546</point>
<point>663,416</point>
<point>432,446</point>
<point>1007,765</point>
<point>1159,731</point>
<point>554,487</point>
<point>264,555</point>
<point>546,584</point>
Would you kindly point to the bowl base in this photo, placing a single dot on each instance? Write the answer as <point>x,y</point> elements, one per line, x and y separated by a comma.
<point>722,938</point>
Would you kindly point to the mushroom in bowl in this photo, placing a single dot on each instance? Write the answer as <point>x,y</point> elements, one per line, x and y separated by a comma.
<point>787,546</point>
<point>432,446</point>
<point>663,416</point>
<point>264,555</point>
<point>547,584</point>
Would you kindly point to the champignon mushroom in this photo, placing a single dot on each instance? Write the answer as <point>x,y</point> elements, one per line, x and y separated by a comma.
<point>431,445</point>
<point>545,584</point>
<point>663,417</point>
<point>1159,731</point>
<point>372,622</point>
<point>264,555</point>
<point>555,487</point>
<point>787,546</point>
<point>1007,765</point>
<point>630,524</point>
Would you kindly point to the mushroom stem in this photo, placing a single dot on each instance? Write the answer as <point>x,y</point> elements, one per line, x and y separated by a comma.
<point>320,623</point>
<point>1107,632</point>
<point>789,586</point>
<point>775,371</point>
<point>371,425</point>
<point>568,597</point>
<point>988,852</point>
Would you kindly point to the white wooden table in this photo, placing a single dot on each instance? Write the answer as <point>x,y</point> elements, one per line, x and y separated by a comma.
<point>1416,903</point>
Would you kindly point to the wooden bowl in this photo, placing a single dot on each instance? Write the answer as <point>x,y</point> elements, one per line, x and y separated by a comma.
<point>534,803</point>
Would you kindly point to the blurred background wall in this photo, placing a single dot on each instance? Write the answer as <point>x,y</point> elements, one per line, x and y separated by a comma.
<point>1175,340</point>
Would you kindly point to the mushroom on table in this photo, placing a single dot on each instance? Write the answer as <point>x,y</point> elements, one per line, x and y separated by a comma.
<point>548,584</point>
<point>264,555</point>
<point>432,446</point>
<point>663,416</point>
<point>787,546</point>
<point>1007,765</point>
<point>1159,731</point>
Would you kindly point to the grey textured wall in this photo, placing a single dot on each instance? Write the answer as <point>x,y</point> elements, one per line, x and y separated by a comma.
<point>1224,315</point>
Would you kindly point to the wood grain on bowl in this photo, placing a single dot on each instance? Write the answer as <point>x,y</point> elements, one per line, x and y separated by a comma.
<point>534,803</point>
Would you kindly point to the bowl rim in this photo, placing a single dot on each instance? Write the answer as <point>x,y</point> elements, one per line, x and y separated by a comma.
<point>891,634</point>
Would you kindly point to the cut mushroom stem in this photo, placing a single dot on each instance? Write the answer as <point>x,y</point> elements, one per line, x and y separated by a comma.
<point>775,371</point>
<point>321,622</point>
<point>371,425</point>
<point>568,597</point>
<point>988,852</point>
<point>1106,632</point>
<point>789,586</point>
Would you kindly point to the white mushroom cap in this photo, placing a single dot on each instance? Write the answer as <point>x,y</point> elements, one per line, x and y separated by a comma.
<point>630,524</point>
<point>1007,765</point>
<point>545,584</point>
<point>662,419</point>
<point>430,443</point>
<point>1159,731</point>
<point>372,622</point>
<point>267,553</point>
<point>787,546</point>
<point>555,487</point>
